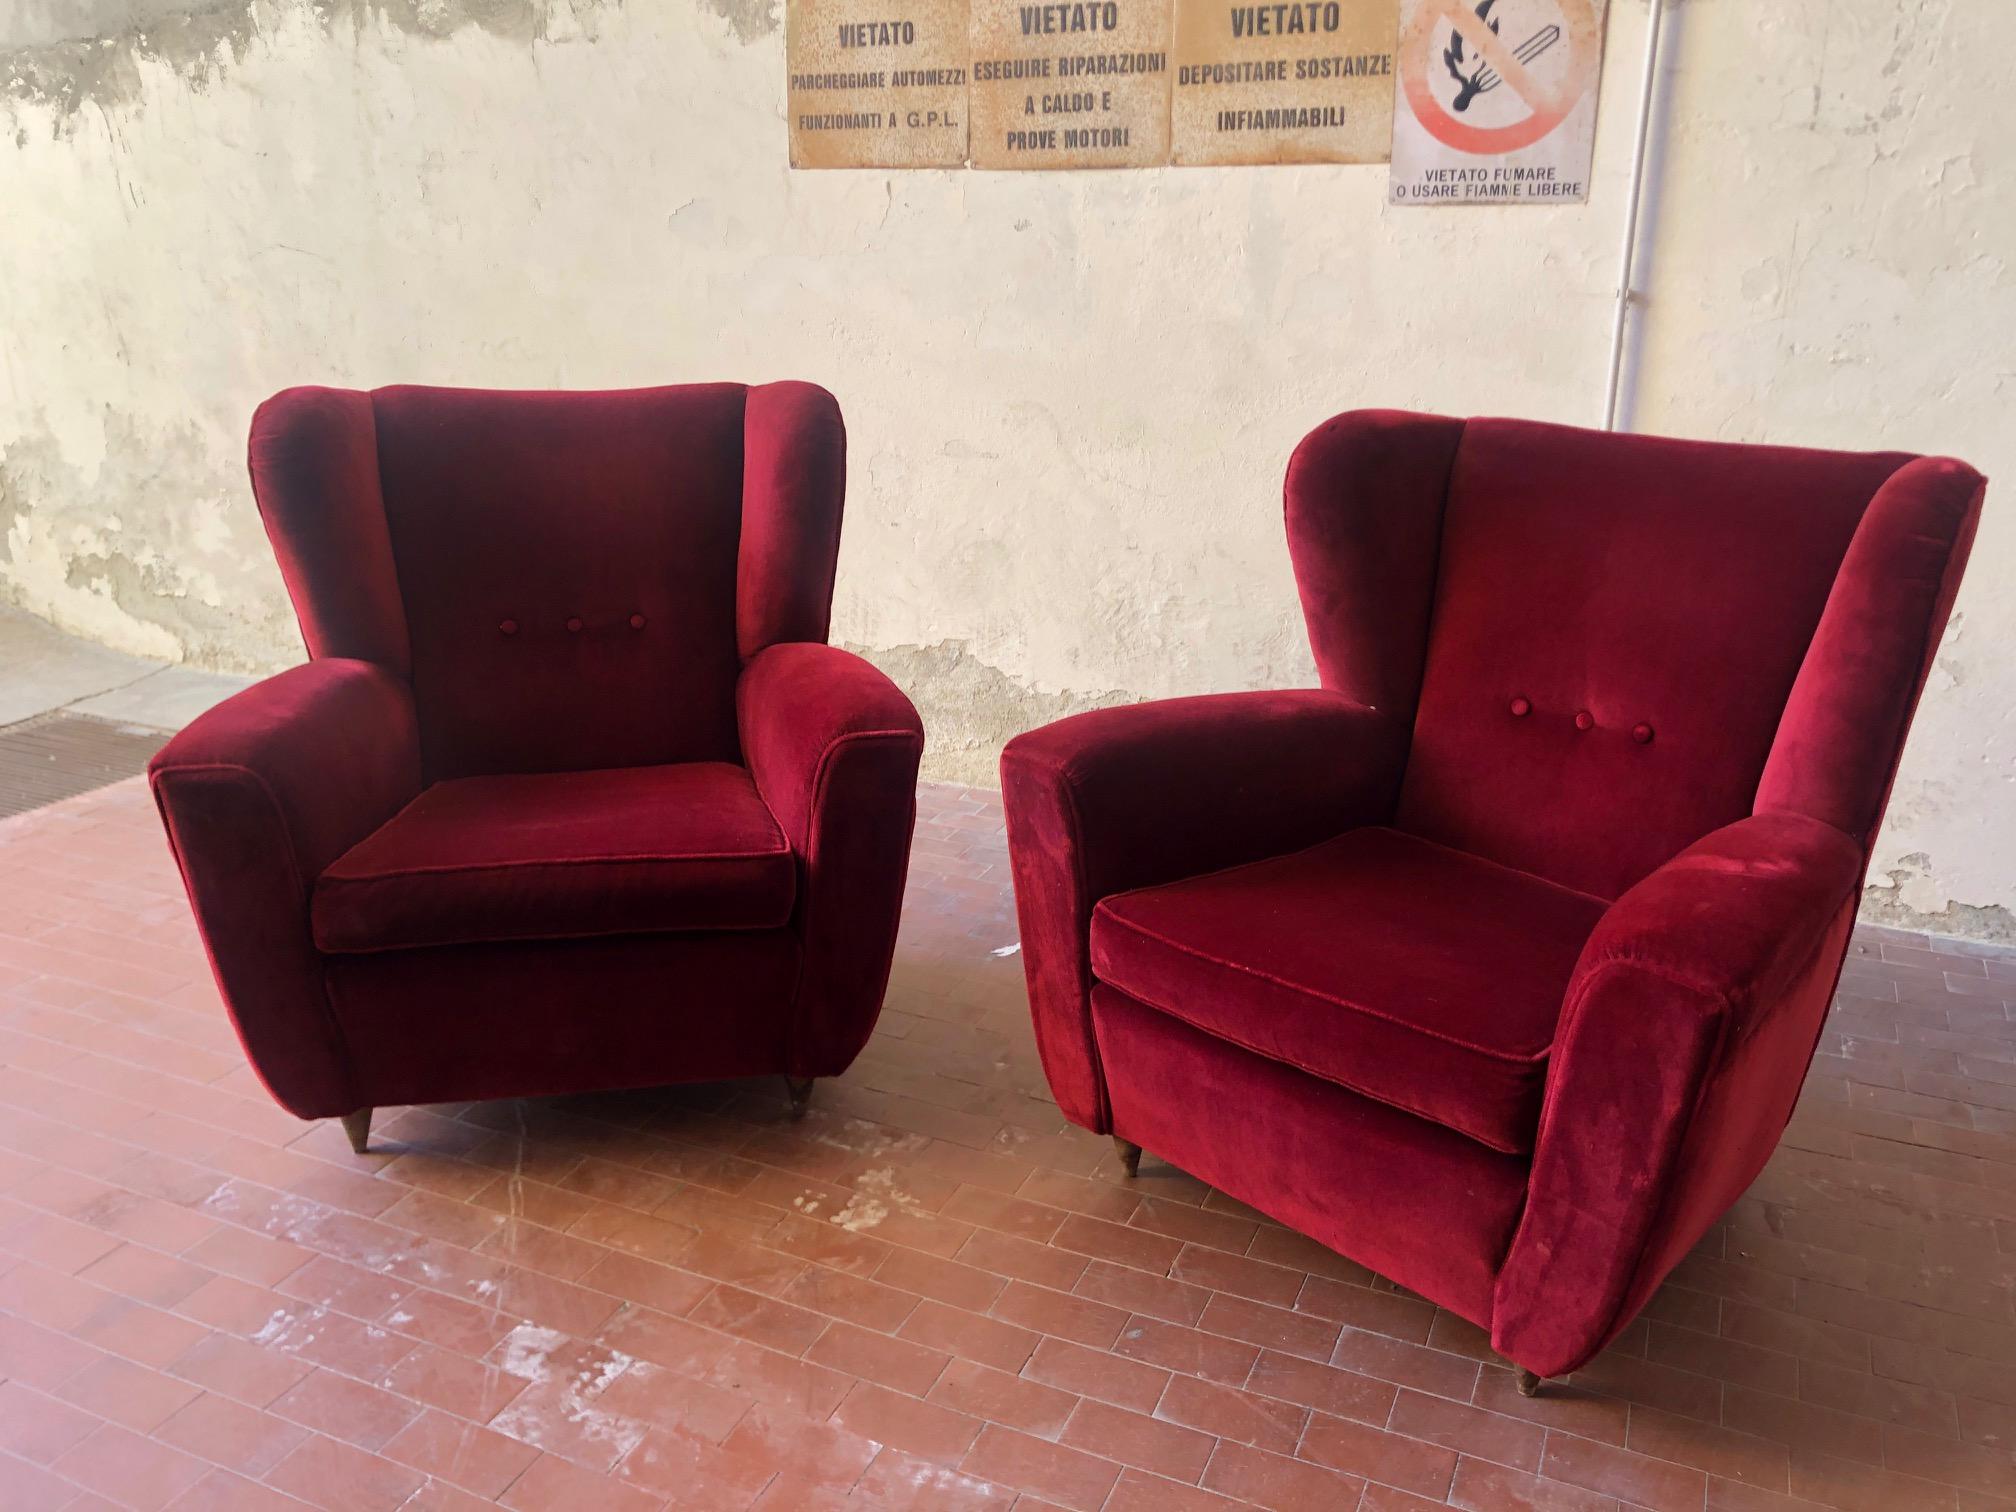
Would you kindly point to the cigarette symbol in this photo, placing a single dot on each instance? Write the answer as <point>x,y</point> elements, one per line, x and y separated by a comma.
<point>1484,77</point>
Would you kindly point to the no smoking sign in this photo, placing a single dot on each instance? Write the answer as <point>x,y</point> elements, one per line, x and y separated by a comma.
<point>1496,101</point>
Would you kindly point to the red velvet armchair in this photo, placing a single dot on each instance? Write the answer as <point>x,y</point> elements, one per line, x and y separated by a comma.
<point>1497,962</point>
<point>571,794</point>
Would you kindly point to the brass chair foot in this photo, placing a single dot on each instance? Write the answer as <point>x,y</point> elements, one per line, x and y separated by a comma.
<point>358,1126</point>
<point>800,1088</point>
<point>1130,1154</point>
<point>1529,1384</point>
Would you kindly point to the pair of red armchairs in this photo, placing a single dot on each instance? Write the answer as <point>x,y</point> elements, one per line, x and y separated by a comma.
<point>1495,963</point>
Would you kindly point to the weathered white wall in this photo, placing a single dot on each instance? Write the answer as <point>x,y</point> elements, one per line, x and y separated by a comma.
<point>1069,396</point>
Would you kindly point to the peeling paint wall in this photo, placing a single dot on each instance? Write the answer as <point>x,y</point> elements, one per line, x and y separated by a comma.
<point>1070,397</point>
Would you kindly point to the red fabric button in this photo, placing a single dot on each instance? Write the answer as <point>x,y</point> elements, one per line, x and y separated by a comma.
<point>574,625</point>
<point>636,622</point>
<point>1521,708</point>
<point>1642,733</point>
<point>508,627</point>
<point>1584,720</point>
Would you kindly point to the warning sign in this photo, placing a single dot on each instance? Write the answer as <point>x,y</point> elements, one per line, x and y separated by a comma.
<point>1496,102</point>
<point>1284,81</point>
<point>885,92</point>
<point>1078,85</point>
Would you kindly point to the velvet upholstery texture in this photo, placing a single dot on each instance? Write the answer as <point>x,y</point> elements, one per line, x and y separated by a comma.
<point>1497,962</point>
<point>1549,592</point>
<point>1445,1005</point>
<point>1336,1157</point>
<point>525,1020</point>
<point>1118,799</point>
<point>833,746</point>
<point>562,855</point>
<point>570,794</point>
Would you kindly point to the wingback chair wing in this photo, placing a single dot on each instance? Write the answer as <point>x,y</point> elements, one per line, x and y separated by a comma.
<point>1497,962</point>
<point>571,793</point>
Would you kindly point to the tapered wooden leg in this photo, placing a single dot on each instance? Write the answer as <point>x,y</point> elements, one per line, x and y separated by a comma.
<point>800,1088</point>
<point>1130,1154</point>
<point>358,1126</point>
<point>1529,1384</point>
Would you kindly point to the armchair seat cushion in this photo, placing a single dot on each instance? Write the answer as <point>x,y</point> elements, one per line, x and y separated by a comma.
<point>562,855</point>
<point>1411,973</point>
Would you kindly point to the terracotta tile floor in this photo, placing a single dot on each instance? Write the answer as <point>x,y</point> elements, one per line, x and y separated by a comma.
<point>931,1294</point>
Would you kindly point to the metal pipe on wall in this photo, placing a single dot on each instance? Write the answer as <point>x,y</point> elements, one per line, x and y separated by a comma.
<point>1628,259</point>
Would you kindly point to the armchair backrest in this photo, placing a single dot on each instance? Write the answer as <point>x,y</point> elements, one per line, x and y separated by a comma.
<point>570,580</point>
<point>1610,645</point>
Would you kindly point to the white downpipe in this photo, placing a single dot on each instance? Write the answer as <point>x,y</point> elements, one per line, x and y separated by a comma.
<point>1628,260</point>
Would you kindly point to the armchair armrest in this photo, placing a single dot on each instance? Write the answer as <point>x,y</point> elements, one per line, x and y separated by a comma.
<point>1131,797</point>
<point>833,746</point>
<point>259,795</point>
<point>1684,1039</point>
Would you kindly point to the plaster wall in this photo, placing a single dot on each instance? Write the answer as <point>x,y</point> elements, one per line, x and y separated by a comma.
<point>1069,396</point>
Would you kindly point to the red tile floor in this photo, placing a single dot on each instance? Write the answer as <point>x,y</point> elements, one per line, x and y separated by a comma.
<point>930,1294</point>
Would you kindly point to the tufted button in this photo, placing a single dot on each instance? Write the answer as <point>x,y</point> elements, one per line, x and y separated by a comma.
<point>1642,733</point>
<point>574,625</point>
<point>1521,707</point>
<point>507,627</point>
<point>1584,720</point>
<point>636,622</point>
